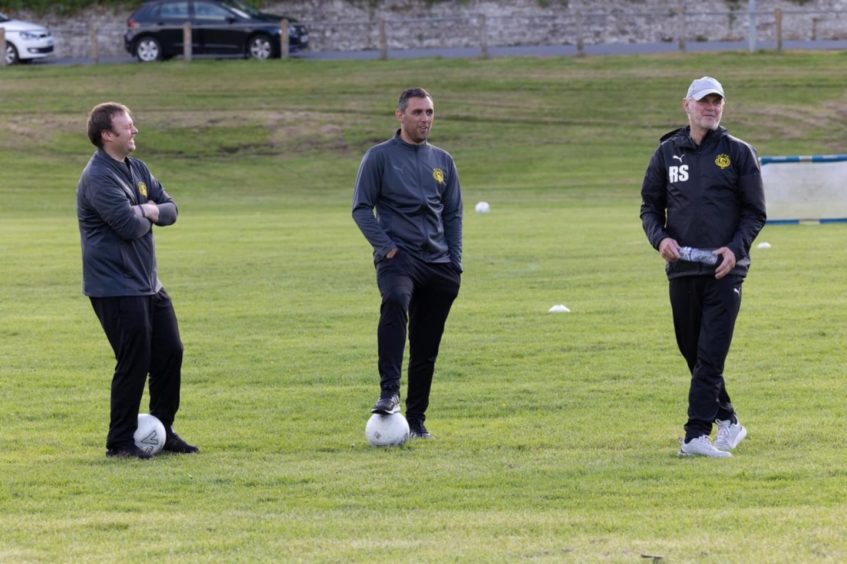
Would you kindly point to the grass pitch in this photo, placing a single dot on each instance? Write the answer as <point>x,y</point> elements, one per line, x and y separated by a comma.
<point>557,433</point>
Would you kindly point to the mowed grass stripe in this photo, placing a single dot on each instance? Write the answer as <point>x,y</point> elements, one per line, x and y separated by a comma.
<point>556,433</point>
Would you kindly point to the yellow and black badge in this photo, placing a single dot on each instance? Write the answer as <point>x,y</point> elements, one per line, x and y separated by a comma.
<point>722,161</point>
<point>142,188</point>
<point>438,175</point>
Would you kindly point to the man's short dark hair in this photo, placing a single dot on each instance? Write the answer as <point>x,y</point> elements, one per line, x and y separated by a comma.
<point>411,93</point>
<point>100,119</point>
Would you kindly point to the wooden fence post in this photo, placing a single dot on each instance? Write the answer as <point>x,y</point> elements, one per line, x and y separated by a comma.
<point>683,29</point>
<point>284,48</point>
<point>95,45</point>
<point>186,42</point>
<point>483,37</point>
<point>580,42</point>
<point>777,16</point>
<point>383,40</point>
<point>2,47</point>
<point>752,26</point>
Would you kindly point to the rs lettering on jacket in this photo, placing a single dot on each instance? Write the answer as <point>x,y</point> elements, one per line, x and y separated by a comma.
<point>678,173</point>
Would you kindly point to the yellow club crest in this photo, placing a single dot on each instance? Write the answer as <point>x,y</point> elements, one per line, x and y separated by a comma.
<point>722,161</point>
<point>142,188</point>
<point>438,175</point>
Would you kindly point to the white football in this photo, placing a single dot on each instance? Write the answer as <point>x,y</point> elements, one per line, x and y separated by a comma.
<point>387,430</point>
<point>482,207</point>
<point>150,434</point>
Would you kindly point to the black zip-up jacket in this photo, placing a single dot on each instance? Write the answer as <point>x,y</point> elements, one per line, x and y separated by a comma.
<point>418,201</point>
<point>118,251</point>
<point>705,196</point>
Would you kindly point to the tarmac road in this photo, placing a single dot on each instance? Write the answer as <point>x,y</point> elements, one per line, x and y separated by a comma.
<point>523,51</point>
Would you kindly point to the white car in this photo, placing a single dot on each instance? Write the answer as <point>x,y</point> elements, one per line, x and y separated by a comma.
<point>25,41</point>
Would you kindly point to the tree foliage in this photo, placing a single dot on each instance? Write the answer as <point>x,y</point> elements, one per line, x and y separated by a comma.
<point>71,7</point>
<point>62,7</point>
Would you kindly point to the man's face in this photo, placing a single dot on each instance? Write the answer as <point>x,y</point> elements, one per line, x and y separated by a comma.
<point>121,139</point>
<point>416,120</point>
<point>704,113</point>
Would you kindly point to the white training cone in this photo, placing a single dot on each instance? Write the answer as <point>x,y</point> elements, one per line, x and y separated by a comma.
<point>558,308</point>
<point>763,245</point>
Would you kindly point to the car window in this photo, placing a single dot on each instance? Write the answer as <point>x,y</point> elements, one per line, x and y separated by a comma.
<point>210,12</point>
<point>174,10</point>
<point>241,9</point>
<point>3,18</point>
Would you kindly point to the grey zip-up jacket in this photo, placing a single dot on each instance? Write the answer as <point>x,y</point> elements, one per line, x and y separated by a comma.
<point>707,196</point>
<point>418,201</point>
<point>118,251</point>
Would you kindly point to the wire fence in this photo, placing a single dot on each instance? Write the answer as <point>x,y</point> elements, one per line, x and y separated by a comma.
<point>681,27</point>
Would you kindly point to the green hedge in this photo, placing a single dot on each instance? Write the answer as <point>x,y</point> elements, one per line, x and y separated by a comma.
<point>72,6</point>
<point>63,7</point>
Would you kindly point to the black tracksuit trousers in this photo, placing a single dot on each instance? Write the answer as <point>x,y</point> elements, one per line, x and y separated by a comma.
<point>418,294</point>
<point>144,335</point>
<point>704,314</point>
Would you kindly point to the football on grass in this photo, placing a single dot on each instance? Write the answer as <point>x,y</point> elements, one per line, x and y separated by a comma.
<point>387,430</point>
<point>150,434</point>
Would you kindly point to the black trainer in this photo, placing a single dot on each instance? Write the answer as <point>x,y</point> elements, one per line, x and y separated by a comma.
<point>130,451</point>
<point>386,405</point>
<point>174,443</point>
<point>417,430</point>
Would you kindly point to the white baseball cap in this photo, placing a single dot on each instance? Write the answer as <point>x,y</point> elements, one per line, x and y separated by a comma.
<point>704,86</point>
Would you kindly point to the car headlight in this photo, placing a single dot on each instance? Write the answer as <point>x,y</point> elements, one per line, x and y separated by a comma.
<point>28,35</point>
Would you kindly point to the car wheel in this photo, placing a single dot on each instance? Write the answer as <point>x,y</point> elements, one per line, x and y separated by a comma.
<point>260,47</point>
<point>148,49</point>
<point>11,54</point>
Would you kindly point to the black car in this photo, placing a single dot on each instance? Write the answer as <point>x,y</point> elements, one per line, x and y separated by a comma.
<point>218,28</point>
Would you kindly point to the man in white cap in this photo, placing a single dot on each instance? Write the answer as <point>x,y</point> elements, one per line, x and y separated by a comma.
<point>702,205</point>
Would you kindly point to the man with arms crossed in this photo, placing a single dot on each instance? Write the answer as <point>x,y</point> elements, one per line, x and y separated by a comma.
<point>416,234</point>
<point>118,202</point>
<point>703,191</point>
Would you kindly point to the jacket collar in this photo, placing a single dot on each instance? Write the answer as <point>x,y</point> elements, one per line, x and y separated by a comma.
<point>682,137</point>
<point>104,158</point>
<point>399,140</point>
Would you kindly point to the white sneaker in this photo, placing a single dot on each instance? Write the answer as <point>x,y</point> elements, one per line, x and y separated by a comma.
<point>701,446</point>
<point>729,434</point>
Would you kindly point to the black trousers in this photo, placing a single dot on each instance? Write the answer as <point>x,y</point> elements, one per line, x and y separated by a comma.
<point>704,314</point>
<point>417,294</point>
<point>144,335</point>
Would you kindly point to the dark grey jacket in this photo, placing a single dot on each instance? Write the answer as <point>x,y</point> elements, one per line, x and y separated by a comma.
<point>418,201</point>
<point>118,251</point>
<point>705,196</point>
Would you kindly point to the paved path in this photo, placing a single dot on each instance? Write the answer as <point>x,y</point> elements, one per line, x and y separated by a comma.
<point>571,50</point>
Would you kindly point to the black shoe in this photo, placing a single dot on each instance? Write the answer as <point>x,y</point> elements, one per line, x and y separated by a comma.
<point>386,405</point>
<point>174,443</point>
<point>131,451</point>
<point>418,431</point>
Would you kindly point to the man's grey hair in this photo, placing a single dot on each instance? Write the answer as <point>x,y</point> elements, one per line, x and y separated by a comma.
<point>411,93</point>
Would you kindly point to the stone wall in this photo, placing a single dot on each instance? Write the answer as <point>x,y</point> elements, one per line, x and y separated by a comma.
<point>352,24</point>
<point>342,25</point>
